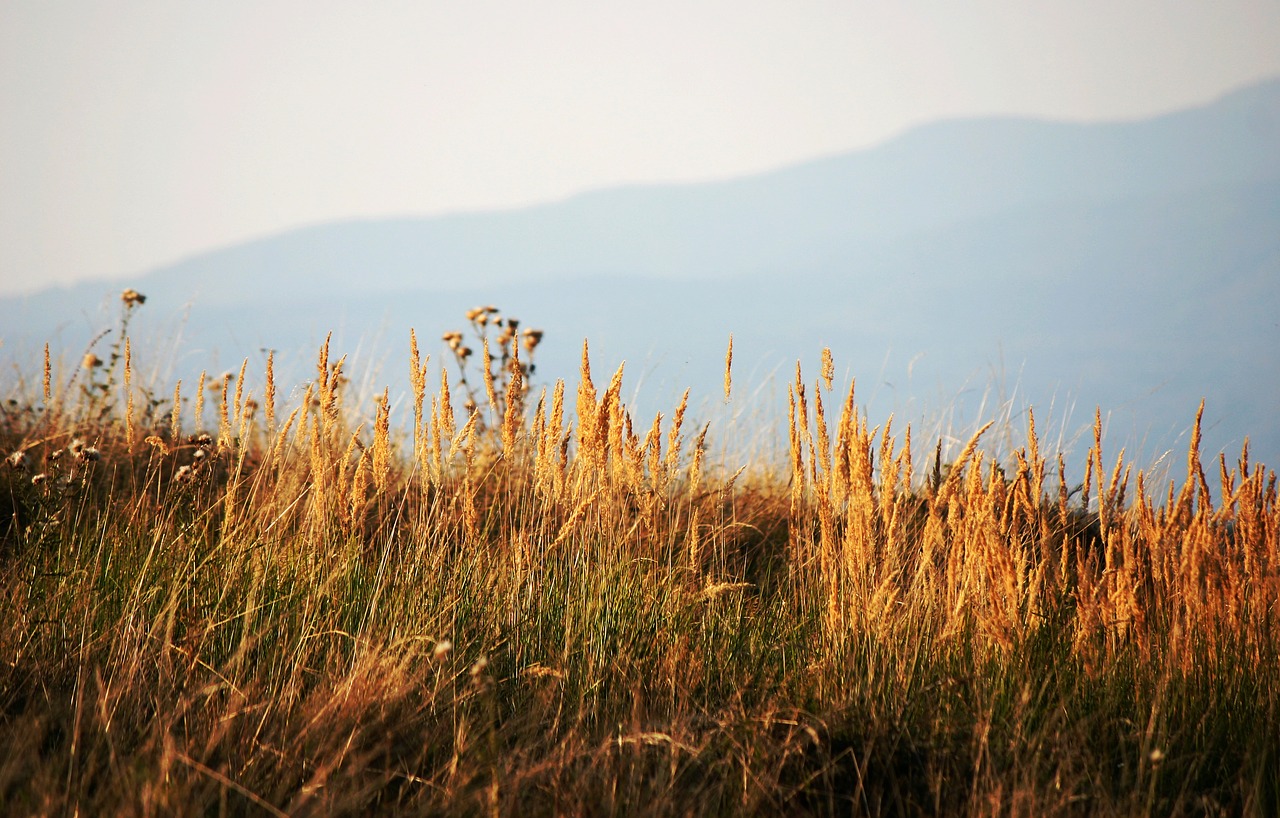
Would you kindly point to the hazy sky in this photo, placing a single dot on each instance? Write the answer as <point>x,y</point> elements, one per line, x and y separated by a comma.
<point>135,133</point>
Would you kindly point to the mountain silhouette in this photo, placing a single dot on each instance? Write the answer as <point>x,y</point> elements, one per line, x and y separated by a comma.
<point>964,267</point>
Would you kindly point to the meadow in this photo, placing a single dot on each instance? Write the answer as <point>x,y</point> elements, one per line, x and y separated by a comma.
<point>525,601</point>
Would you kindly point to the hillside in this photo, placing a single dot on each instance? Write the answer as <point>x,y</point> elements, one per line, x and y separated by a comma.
<point>1133,265</point>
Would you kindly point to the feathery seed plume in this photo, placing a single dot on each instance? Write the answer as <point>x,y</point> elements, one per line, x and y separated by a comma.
<point>728,369</point>
<point>47,382</point>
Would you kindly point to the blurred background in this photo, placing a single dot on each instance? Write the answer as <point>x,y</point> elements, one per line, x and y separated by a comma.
<point>979,207</point>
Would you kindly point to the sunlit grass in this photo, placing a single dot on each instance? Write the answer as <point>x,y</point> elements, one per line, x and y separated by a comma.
<point>532,602</point>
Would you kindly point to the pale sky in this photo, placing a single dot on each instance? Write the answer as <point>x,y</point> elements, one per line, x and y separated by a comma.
<point>133,134</point>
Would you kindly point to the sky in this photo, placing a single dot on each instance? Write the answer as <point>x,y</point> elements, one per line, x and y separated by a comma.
<point>136,134</point>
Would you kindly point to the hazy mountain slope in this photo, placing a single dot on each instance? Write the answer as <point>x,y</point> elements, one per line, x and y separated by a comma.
<point>1135,265</point>
<point>1143,306</point>
<point>937,175</point>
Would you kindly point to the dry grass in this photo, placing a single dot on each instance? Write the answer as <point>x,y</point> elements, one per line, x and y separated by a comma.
<point>517,610</point>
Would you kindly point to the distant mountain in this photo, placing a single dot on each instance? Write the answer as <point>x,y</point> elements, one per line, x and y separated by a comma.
<point>1135,265</point>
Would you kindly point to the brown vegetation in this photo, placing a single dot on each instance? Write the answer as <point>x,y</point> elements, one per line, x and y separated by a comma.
<point>532,608</point>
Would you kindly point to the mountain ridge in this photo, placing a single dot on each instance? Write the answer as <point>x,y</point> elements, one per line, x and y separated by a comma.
<point>1112,260</point>
<point>452,244</point>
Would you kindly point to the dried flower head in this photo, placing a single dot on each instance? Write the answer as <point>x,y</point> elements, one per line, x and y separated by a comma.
<point>39,479</point>
<point>478,669</point>
<point>89,455</point>
<point>17,460</point>
<point>443,648</point>
<point>132,298</point>
<point>91,361</point>
<point>156,442</point>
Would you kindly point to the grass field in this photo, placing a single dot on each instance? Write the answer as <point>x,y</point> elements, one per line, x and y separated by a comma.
<point>532,603</point>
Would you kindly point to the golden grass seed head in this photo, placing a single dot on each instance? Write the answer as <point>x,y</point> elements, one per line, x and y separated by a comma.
<point>157,443</point>
<point>446,406</point>
<point>175,413</point>
<point>239,399</point>
<point>199,411</point>
<point>718,589</point>
<point>91,361</point>
<point>132,298</point>
<point>486,369</point>
<point>728,369</point>
<point>47,379</point>
<point>540,671</point>
<point>415,357</point>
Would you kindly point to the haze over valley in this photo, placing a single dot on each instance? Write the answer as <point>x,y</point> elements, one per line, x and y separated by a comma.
<point>970,267</point>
